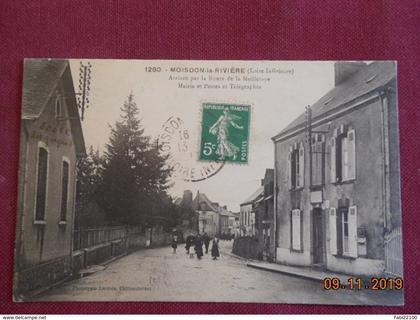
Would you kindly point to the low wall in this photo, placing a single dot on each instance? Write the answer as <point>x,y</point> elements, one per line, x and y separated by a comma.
<point>103,244</point>
<point>78,261</point>
<point>43,275</point>
<point>130,239</point>
<point>141,237</point>
<point>95,255</point>
<point>247,247</point>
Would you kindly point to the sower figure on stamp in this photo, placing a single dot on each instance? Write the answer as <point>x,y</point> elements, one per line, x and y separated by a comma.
<point>215,249</point>
<point>206,240</point>
<point>225,148</point>
<point>198,246</point>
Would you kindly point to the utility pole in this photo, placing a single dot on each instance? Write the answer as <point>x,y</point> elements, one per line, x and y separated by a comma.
<point>308,128</point>
<point>85,77</point>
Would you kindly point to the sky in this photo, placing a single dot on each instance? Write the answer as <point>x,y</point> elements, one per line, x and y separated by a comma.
<point>278,102</point>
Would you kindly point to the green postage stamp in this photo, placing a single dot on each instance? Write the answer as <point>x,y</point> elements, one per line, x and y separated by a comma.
<point>225,132</point>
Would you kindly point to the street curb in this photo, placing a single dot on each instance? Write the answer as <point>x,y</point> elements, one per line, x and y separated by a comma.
<point>343,278</point>
<point>40,291</point>
<point>297,275</point>
<point>234,256</point>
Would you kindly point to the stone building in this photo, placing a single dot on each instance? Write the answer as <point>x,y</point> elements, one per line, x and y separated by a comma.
<point>51,142</point>
<point>227,222</point>
<point>247,213</point>
<point>208,215</point>
<point>234,224</point>
<point>337,176</point>
<point>264,216</point>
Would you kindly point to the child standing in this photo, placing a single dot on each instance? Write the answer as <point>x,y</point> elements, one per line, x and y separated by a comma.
<point>215,249</point>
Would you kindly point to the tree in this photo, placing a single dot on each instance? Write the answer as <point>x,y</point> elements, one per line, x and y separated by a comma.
<point>88,180</point>
<point>135,173</point>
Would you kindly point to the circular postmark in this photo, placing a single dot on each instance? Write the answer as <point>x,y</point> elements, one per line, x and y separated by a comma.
<point>177,142</point>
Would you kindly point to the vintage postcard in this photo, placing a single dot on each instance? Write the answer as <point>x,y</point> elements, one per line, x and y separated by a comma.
<point>216,181</point>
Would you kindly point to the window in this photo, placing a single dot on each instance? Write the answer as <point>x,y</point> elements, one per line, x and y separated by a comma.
<point>318,156</point>
<point>296,166</point>
<point>343,156</point>
<point>64,190</point>
<point>296,230</point>
<point>41,184</point>
<point>343,231</point>
<point>57,108</point>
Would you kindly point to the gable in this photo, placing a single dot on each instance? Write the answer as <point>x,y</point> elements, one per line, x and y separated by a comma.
<point>42,80</point>
<point>368,79</point>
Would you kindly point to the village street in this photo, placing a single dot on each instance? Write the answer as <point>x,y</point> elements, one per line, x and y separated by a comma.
<point>160,275</point>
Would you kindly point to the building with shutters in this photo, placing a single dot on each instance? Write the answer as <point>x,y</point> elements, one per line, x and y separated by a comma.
<point>51,142</point>
<point>337,175</point>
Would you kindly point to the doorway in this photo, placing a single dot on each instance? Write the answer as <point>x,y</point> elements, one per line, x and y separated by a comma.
<point>318,237</point>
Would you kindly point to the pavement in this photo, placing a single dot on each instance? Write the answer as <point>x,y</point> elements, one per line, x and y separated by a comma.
<point>159,275</point>
<point>302,272</point>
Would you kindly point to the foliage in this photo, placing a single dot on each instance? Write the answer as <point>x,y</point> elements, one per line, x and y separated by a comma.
<point>135,174</point>
<point>89,175</point>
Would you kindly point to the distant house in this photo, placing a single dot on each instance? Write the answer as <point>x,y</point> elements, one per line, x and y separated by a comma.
<point>189,218</point>
<point>227,222</point>
<point>264,216</point>
<point>50,144</point>
<point>209,215</point>
<point>247,213</point>
<point>337,176</point>
<point>234,224</point>
<point>224,215</point>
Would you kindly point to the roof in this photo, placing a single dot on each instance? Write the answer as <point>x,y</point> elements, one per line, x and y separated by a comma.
<point>201,202</point>
<point>257,194</point>
<point>368,79</point>
<point>40,78</point>
<point>225,212</point>
<point>269,175</point>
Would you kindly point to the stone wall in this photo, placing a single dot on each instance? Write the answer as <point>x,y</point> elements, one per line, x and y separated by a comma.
<point>247,247</point>
<point>147,237</point>
<point>42,275</point>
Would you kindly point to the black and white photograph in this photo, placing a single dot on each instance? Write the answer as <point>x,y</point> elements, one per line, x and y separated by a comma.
<point>209,181</point>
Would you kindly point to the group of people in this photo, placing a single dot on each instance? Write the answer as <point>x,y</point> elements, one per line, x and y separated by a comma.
<point>196,243</point>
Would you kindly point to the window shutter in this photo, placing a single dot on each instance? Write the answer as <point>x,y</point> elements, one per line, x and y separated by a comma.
<point>296,243</point>
<point>353,232</point>
<point>289,170</point>
<point>333,230</point>
<point>345,158</point>
<point>351,147</point>
<point>333,161</point>
<point>301,165</point>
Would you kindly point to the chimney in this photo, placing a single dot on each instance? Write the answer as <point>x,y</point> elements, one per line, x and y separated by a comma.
<point>343,70</point>
<point>187,198</point>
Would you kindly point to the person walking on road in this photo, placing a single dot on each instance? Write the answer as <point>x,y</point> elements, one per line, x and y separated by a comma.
<point>206,240</point>
<point>174,242</point>
<point>198,246</point>
<point>215,249</point>
<point>189,242</point>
